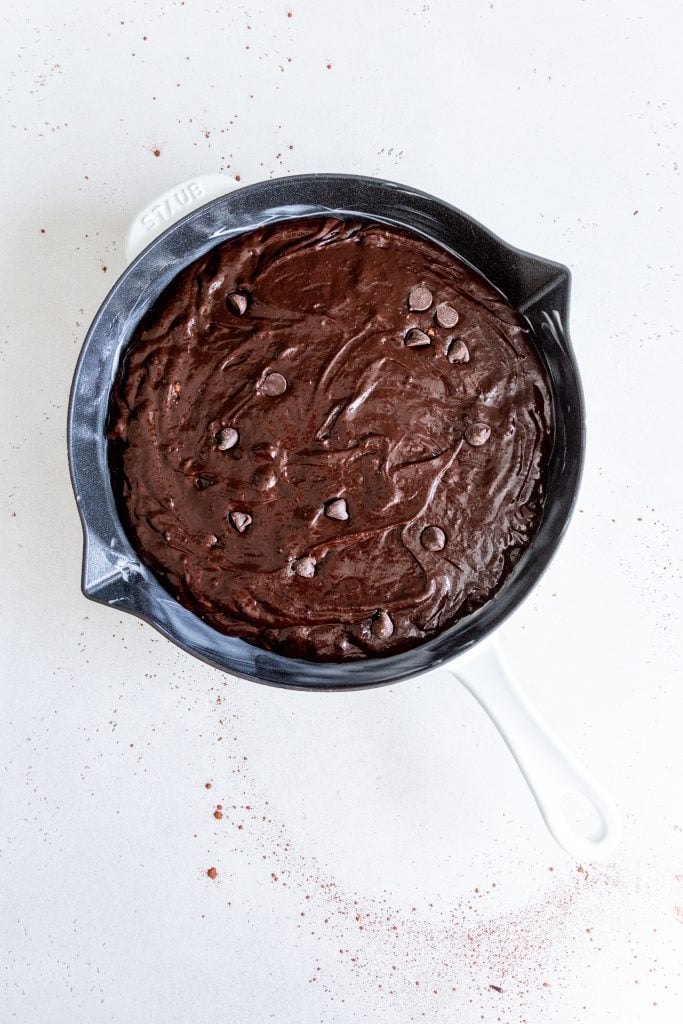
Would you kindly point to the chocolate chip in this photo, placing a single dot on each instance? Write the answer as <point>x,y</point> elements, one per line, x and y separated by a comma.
<point>266,451</point>
<point>477,434</point>
<point>415,338</point>
<point>420,298</point>
<point>445,315</point>
<point>273,384</point>
<point>433,538</point>
<point>226,439</point>
<point>264,478</point>
<point>337,509</point>
<point>238,303</point>
<point>458,352</point>
<point>304,566</point>
<point>382,627</point>
<point>241,521</point>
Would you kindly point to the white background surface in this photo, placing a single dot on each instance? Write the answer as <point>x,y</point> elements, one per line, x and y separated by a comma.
<point>379,858</point>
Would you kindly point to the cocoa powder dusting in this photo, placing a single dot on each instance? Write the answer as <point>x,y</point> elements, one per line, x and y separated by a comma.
<point>435,961</point>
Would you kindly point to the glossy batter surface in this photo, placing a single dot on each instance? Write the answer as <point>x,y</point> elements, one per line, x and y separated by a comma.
<point>330,438</point>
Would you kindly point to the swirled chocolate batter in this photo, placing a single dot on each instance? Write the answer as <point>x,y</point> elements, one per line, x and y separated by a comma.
<point>330,437</point>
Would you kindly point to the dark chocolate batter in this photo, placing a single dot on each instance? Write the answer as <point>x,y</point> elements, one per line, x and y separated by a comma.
<point>330,438</point>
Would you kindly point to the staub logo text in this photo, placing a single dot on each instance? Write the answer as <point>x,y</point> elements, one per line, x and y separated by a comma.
<point>171,205</point>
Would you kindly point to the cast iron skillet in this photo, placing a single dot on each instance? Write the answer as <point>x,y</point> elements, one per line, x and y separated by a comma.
<point>113,574</point>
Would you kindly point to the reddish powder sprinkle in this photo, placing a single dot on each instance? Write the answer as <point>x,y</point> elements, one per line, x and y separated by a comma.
<point>239,178</point>
<point>207,785</point>
<point>496,988</point>
<point>157,152</point>
<point>212,873</point>
<point>218,814</point>
<point>104,269</point>
<point>290,14</point>
<point>329,67</point>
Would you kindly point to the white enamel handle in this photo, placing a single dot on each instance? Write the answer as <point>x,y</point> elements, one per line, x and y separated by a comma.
<point>166,209</point>
<point>551,771</point>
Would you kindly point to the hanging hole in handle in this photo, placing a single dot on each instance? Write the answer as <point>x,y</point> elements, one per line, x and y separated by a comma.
<point>582,815</point>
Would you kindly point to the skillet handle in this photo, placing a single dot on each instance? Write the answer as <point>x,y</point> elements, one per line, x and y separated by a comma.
<point>169,207</point>
<point>553,774</point>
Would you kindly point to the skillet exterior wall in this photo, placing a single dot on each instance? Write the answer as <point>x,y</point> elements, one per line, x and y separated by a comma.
<point>538,286</point>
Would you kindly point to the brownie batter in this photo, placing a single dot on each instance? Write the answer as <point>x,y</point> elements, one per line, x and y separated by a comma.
<point>330,437</point>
